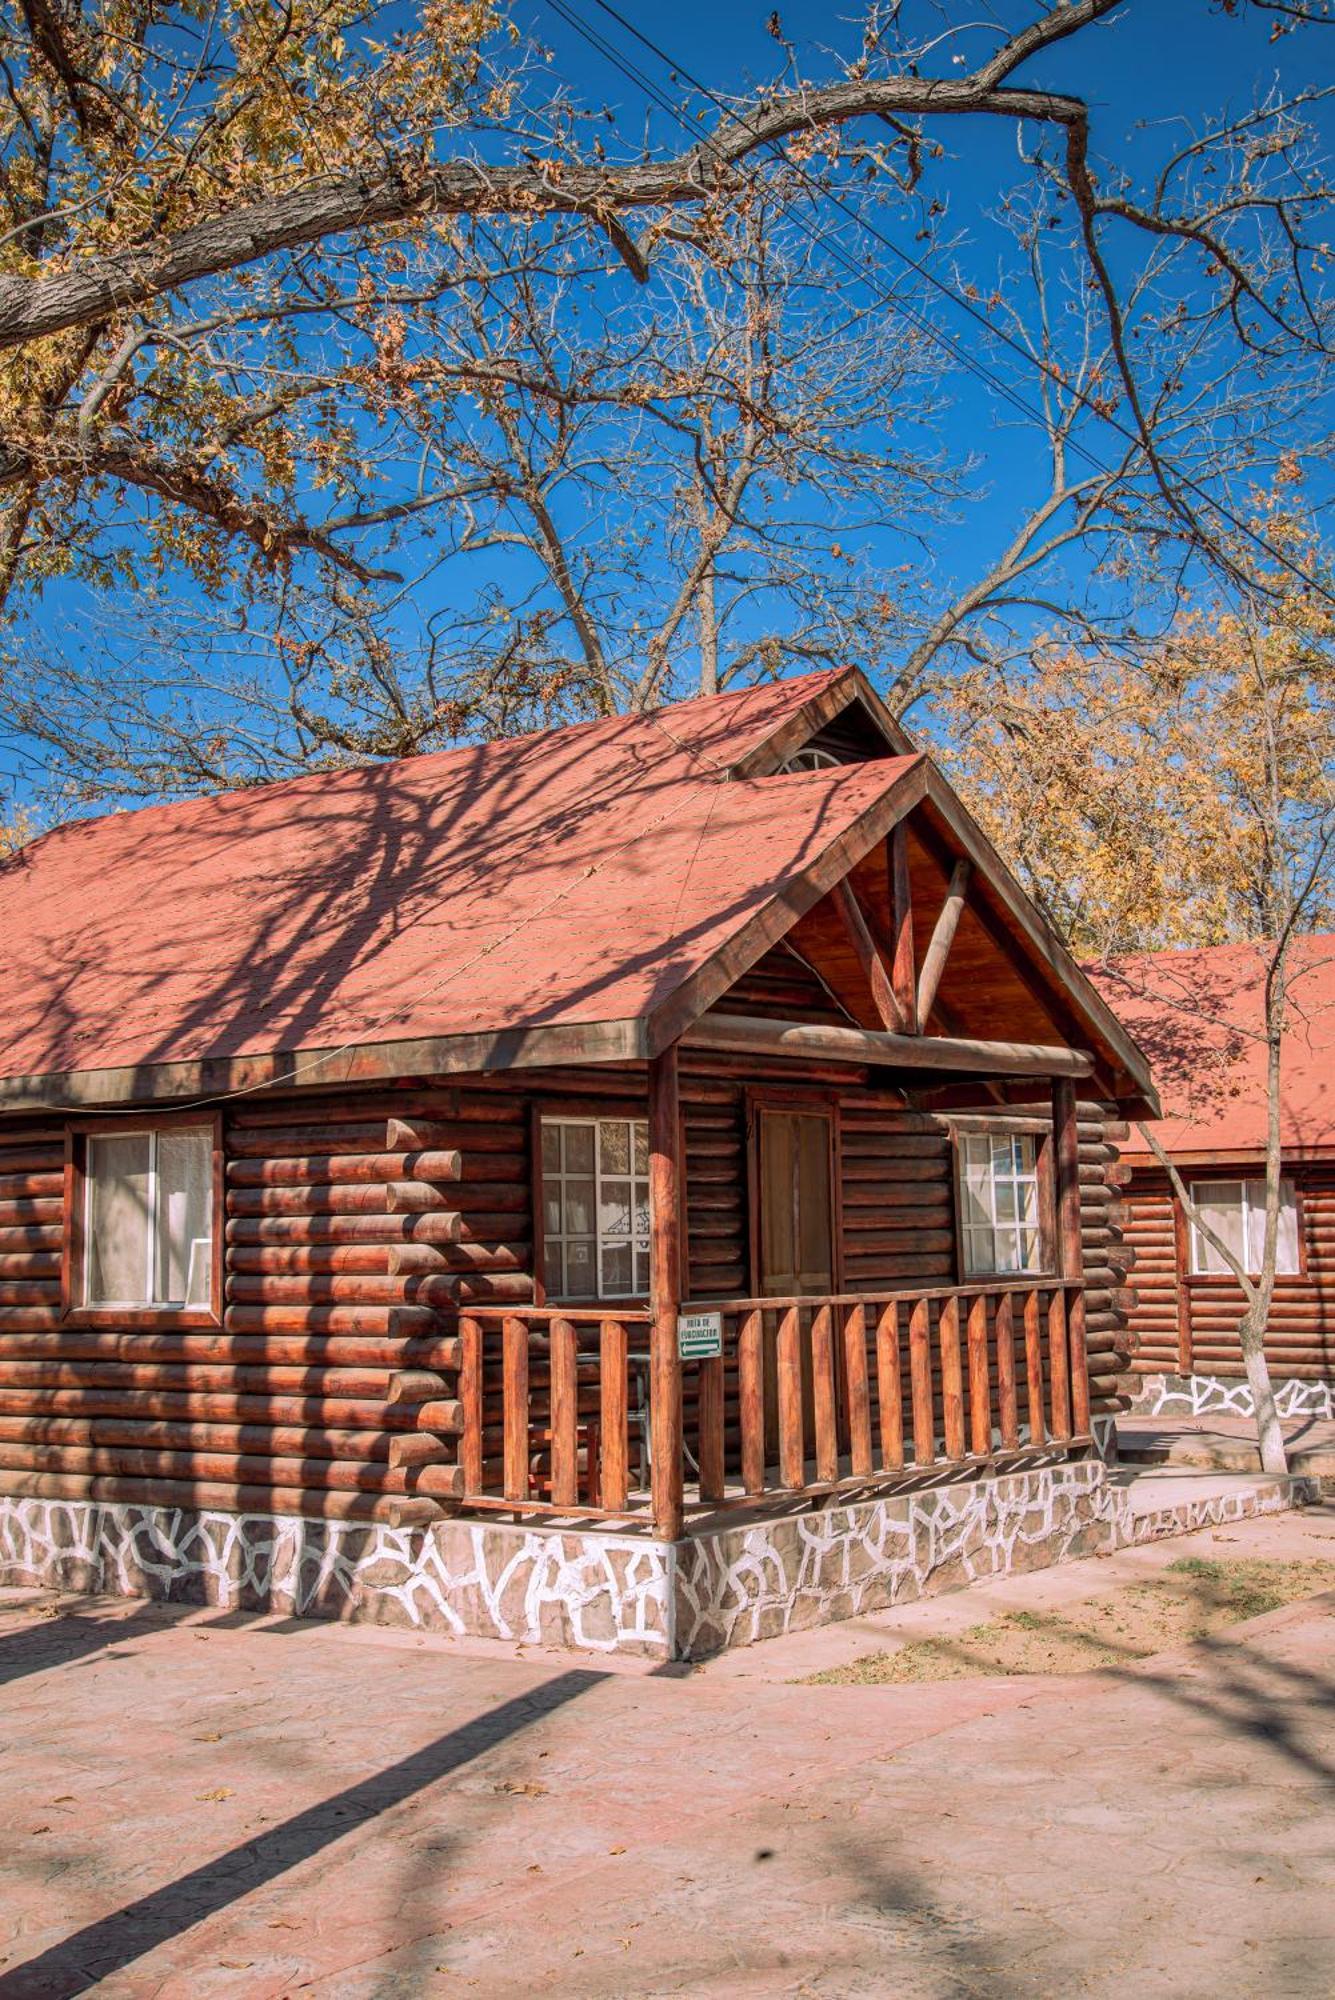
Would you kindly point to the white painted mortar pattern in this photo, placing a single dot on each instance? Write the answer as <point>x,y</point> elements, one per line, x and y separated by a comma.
<point>1218,1395</point>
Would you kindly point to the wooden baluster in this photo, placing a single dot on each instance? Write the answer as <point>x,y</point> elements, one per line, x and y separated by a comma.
<point>1059,1366</point>
<point>667,1198</point>
<point>514,1404</point>
<point>792,1449</point>
<point>823,1401</point>
<point>613,1393</point>
<point>751,1399</point>
<point>1033,1368</point>
<point>980,1387</point>
<point>709,1444</point>
<point>952,1378</point>
<point>470,1396</point>
<point>1007,1412</point>
<point>564,1413</point>
<point>920,1377</point>
<point>889,1387</point>
<point>859,1390</point>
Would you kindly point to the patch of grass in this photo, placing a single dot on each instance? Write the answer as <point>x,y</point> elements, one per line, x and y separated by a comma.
<point>1192,1598</point>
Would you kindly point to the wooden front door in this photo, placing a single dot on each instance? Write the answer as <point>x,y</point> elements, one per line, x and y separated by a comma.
<point>794,1159</point>
<point>794,1210</point>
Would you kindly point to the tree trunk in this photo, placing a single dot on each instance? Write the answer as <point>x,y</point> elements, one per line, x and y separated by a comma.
<point>1269,1431</point>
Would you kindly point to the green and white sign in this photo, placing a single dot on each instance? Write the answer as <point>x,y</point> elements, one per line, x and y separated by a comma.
<point>699,1336</point>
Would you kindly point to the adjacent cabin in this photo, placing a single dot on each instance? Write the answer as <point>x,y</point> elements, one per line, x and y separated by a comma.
<point>1201,1017</point>
<point>550,1187</point>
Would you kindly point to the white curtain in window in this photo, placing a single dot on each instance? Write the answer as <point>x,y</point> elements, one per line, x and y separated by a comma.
<point>119,1219</point>
<point>1286,1247</point>
<point>185,1168</point>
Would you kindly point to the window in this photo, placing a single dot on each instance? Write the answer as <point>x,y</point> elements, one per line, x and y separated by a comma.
<point>595,1199</point>
<point>796,1249</point>
<point>810,760</point>
<point>999,1203</point>
<point>1235,1210</point>
<point>148,1218</point>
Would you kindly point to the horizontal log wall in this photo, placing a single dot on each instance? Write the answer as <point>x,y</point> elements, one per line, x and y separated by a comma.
<point>1188,1325</point>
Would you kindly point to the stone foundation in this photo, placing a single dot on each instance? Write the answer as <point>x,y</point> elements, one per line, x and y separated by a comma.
<point>1227,1396</point>
<point>595,1591</point>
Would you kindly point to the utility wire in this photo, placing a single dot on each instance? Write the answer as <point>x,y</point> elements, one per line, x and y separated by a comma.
<point>966,360</point>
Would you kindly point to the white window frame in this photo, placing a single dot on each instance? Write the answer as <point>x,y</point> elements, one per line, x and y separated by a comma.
<point>993,1229</point>
<point>148,1303</point>
<point>810,759</point>
<point>601,1244</point>
<point>1253,1204</point>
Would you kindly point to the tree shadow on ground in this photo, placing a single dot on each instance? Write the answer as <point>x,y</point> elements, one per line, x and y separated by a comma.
<point>113,1942</point>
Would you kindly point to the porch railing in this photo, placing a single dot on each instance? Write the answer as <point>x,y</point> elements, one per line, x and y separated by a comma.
<point>808,1394</point>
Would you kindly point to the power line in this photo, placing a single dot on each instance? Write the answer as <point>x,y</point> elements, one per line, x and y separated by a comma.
<point>943,340</point>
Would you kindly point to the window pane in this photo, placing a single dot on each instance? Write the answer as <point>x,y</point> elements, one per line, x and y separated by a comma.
<point>118,1220</point>
<point>614,1209</point>
<point>1220,1206</point>
<point>1007,1256</point>
<point>614,1146</point>
<point>579,1148</point>
<point>579,1208</point>
<point>185,1203</point>
<point>1286,1248</point>
<point>553,1266</point>
<point>641,1148</point>
<point>616,1271</point>
<point>551,1147</point>
<point>641,1270</point>
<point>581,1269</point>
<point>1028,1249</point>
<point>551,1208</point>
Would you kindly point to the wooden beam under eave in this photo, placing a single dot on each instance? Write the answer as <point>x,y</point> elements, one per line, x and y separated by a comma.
<point>750,1034</point>
<point>943,936</point>
<point>902,980</point>
<point>886,1001</point>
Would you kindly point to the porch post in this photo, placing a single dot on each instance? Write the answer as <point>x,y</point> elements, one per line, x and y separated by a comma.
<point>666,1202</point>
<point>1071,1247</point>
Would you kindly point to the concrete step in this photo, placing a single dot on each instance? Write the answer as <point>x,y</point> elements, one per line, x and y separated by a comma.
<point>1199,1447</point>
<point>1170,1500</point>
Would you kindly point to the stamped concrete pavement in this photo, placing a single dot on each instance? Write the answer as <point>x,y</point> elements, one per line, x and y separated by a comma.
<point>203,1804</point>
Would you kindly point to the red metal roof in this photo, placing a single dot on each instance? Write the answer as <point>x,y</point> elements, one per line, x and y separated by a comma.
<point>1198,1016</point>
<point>576,876</point>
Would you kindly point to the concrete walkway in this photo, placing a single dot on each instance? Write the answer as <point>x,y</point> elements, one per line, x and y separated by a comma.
<point>202,1805</point>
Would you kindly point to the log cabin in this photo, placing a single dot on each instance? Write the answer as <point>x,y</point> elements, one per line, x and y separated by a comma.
<point>1201,1015</point>
<point>638,1184</point>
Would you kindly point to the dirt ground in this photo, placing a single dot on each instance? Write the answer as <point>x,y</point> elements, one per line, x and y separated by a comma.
<point>201,1804</point>
<point>1194,1597</point>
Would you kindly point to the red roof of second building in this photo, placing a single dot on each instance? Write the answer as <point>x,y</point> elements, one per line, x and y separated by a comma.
<point>576,876</point>
<point>1198,1016</point>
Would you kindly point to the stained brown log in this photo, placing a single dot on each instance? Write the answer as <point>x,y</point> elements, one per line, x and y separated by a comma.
<point>943,936</point>
<point>1003,1330</point>
<point>439,1482</point>
<point>952,1378</point>
<point>354,1199</point>
<point>709,1420</point>
<point>77,1343</point>
<point>667,1203</point>
<point>889,1011</point>
<point>127,1461</point>
<point>266,1440</point>
<point>858,1390</point>
<point>424,1197</point>
<point>823,1401</point>
<point>564,1413</point>
<point>229,1377</point>
<point>920,1375</point>
<point>788,1365</point>
<point>341,1169</point>
<point>428,1137</point>
<point>515,1401</point>
<point>444,1226</point>
<point>292,1260</point>
<point>980,1396</point>
<point>226,1497</point>
<point>889,1387</point>
<point>409,1258</point>
<point>1067,1152</point>
<point>278,1141</point>
<point>751,1399</point>
<point>1033,1367</point>
<point>442,1418</point>
<point>902,974</point>
<point>416,1385</point>
<point>1059,1367</point>
<point>219,1406</point>
<point>750,1034</point>
<point>389,1320</point>
<point>470,1399</point>
<point>614,1415</point>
